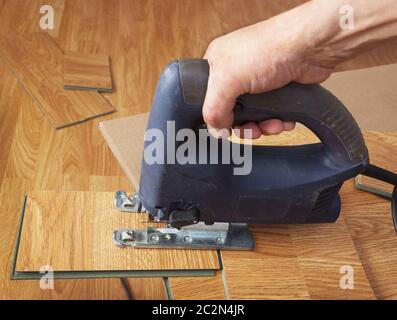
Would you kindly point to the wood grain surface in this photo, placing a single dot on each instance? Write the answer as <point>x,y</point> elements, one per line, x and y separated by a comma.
<point>87,72</point>
<point>37,62</point>
<point>198,288</point>
<point>72,231</point>
<point>141,36</point>
<point>296,262</point>
<point>369,220</point>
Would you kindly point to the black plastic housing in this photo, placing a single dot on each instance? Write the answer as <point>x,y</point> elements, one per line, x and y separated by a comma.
<point>287,184</point>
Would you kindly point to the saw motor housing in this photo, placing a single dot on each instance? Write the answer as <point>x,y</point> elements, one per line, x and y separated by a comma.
<point>287,184</point>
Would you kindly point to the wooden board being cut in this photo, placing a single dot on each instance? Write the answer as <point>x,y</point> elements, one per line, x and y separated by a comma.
<point>125,137</point>
<point>87,72</point>
<point>37,62</point>
<point>72,232</point>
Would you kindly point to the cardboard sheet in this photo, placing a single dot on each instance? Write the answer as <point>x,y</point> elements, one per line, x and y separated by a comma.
<point>370,95</point>
<point>125,138</point>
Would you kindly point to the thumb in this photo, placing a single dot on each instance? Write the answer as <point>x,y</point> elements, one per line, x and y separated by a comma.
<point>219,104</point>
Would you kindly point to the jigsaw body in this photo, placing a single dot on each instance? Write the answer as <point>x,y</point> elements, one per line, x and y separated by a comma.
<point>287,184</point>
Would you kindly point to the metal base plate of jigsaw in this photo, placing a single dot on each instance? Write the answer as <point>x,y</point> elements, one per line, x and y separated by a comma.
<point>225,236</point>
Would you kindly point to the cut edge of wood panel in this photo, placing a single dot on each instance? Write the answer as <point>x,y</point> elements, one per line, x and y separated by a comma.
<point>18,238</point>
<point>82,88</point>
<point>85,119</point>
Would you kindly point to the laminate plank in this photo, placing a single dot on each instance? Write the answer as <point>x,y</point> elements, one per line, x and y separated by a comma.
<point>264,277</point>
<point>147,288</point>
<point>82,289</point>
<point>87,72</point>
<point>98,34</point>
<point>10,107</point>
<point>323,263</point>
<point>64,153</point>
<point>24,152</point>
<point>57,223</point>
<point>20,16</point>
<point>305,266</point>
<point>43,80</point>
<point>11,193</point>
<point>198,288</point>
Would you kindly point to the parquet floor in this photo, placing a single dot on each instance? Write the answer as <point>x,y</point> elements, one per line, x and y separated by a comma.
<point>140,36</point>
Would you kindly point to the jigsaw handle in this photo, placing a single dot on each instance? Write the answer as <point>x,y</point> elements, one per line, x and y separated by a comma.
<point>311,105</point>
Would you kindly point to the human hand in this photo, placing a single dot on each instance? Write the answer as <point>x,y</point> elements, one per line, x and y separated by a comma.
<point>257,59</point>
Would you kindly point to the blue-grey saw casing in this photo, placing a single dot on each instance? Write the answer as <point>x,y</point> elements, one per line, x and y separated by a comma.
<point>287,184</point>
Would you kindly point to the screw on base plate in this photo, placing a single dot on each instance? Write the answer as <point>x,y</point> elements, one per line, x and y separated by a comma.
<point>128,203</point>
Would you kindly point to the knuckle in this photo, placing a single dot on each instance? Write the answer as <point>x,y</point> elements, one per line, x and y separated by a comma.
<point>211,116</point>
<point>225,80</point>
<point>212,47</point>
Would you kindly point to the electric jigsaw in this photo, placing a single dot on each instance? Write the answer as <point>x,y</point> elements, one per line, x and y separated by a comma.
<point>206,205</point>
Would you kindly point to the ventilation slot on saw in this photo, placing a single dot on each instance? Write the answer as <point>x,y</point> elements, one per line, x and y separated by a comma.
<point>325,198</point>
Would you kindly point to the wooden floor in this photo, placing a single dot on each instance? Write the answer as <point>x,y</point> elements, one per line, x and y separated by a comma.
<point>140,37</point>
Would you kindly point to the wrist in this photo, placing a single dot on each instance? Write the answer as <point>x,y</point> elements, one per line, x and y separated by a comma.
<point>341,29</point>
